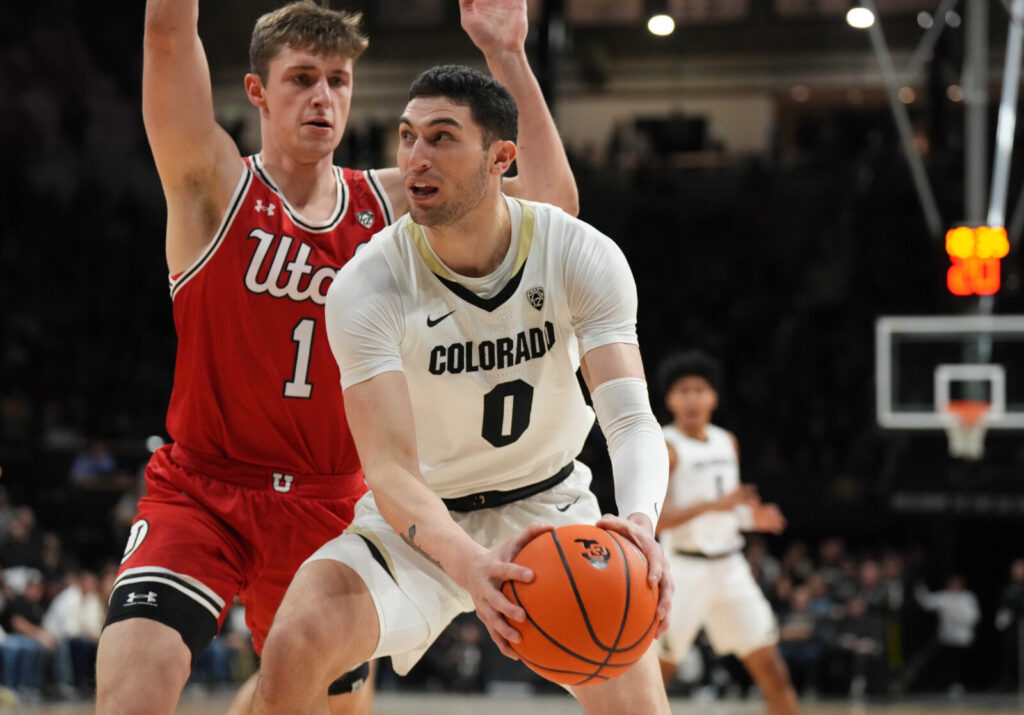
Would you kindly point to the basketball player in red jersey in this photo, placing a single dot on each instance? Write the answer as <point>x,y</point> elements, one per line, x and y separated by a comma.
<point>263,470</point>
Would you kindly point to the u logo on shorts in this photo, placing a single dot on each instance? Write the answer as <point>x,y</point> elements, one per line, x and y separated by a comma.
<point>283,482</point>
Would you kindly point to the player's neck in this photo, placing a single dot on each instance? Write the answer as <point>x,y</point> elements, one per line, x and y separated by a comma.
<point>310,187</point>
<point>693,431</point>
<point>476,244</point>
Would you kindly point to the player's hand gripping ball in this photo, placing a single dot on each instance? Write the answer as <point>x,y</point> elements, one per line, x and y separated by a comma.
<point>590,611</point>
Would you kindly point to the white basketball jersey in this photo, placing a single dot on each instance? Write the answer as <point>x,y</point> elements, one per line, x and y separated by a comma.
<point>705,471</point>
<point>493,383</point>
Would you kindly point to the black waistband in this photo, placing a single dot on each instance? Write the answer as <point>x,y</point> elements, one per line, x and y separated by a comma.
<point>487,500</point>
<point>702,555</point>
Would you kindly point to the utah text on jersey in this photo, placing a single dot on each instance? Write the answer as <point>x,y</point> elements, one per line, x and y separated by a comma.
<point>305,281</point>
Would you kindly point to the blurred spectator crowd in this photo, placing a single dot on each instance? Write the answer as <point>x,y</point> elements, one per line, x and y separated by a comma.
<point>850,625</point>
<point>52,610</point>
<point>868,625</point>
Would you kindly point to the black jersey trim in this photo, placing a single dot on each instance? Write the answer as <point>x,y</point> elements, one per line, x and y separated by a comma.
<point>382,197</point>
<point>441,272</point>
<point>489,304</point>
<point>241,190</point>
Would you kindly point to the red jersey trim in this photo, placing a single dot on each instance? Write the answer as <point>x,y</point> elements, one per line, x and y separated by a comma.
<point>229,216</point>
<point>341,207</point>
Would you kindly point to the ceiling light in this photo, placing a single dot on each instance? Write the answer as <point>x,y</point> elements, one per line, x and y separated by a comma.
<point>661,25</point>
<point>860,18</point>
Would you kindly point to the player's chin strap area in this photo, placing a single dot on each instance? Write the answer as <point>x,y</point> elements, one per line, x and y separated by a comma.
<point>636,446</point>
<point>350,681</point>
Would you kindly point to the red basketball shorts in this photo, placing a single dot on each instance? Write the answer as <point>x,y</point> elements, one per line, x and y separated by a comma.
<point>199,540</point>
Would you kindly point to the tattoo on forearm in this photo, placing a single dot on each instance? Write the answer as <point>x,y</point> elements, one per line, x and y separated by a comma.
<point>410,539</point>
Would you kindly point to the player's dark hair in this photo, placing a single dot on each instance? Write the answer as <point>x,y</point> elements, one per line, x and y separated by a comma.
<point>686,364</point>
<point>490,104</point>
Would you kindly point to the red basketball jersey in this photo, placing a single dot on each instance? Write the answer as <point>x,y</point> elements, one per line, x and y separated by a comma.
<point>255,380</point>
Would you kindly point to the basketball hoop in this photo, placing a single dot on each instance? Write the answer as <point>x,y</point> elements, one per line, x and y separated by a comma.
<point>966,422</point>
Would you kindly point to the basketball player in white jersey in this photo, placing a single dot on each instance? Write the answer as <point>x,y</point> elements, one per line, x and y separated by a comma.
<point>705,510</point>
<point>458,332</point>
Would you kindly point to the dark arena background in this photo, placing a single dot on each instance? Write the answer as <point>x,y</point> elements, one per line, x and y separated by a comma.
<point>779,180</point>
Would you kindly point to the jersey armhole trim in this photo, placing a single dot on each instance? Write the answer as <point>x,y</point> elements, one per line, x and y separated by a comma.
<point>381,195</point>
<point>229,216</point>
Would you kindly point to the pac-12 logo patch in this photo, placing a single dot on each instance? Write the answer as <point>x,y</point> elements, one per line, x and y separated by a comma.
<point>135,538</point>
<point>536,297</point>
<point>365,218</point>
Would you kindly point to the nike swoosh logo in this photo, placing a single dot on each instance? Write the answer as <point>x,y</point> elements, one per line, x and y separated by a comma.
<point>431,322</point>
<point>566,507</point>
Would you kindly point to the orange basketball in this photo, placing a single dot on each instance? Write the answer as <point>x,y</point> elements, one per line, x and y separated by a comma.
<point>590,613</point>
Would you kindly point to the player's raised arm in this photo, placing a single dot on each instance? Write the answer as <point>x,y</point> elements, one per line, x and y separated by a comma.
<point>197,161</point>
<point>498,28</point>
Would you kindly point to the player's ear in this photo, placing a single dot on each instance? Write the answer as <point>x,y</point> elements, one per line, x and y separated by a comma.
<point>504,155</point>
<point>254,90</point>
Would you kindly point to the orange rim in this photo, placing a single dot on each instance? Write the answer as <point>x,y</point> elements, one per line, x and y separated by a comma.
<point>968,411</point>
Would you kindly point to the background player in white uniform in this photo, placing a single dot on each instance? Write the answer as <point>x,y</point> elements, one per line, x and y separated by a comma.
<point>705,510</point>
<point>458,333</point>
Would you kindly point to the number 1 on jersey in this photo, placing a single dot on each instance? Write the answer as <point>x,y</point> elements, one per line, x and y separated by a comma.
<point>302,336</point>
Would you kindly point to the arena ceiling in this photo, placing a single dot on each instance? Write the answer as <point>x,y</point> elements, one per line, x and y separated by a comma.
<point>610,29</point>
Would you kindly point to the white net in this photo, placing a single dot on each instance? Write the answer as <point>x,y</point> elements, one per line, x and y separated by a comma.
<point>966,422</point>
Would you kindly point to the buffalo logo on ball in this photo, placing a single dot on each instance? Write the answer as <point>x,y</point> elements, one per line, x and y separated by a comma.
<point>596,554</point>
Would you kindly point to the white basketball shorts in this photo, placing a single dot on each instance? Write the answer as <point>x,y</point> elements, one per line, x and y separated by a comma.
<point>721,596</point>
<point>415,599</point>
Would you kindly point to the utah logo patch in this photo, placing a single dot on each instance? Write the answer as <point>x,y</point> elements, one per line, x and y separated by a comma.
<point>365,218</point>
<point>536,297</point>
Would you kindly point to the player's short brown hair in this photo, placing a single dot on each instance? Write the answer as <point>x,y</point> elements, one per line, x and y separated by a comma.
<point>305,25</point>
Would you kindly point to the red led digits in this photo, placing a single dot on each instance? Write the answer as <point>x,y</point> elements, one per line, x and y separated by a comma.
<point>975,254</point>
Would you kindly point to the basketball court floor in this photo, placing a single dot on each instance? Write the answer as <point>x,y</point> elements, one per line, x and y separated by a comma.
<point>446,704</point>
